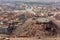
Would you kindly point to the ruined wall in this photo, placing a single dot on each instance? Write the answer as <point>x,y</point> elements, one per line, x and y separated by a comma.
<point>33,29</point>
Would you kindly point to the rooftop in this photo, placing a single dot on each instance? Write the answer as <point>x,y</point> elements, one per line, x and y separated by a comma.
<point>43,20</point>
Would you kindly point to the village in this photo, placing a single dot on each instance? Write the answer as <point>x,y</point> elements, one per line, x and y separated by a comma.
<point>29,21</point>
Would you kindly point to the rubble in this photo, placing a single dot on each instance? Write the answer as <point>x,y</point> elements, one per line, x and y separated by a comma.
<point>36,28</point>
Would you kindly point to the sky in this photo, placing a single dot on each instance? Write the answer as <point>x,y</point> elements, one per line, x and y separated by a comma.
<point>44,0</point>
<point>35,0</point>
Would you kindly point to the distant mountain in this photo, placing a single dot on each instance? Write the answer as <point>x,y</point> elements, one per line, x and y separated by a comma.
<point>34,0</point>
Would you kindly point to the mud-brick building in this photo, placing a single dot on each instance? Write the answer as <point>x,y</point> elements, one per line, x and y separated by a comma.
<point>48,26</point>
<point>33,27</point>
<point>36,27</point>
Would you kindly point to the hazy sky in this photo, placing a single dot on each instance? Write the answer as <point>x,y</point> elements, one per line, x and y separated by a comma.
<point>36,0</point>
<point>45,0</point>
